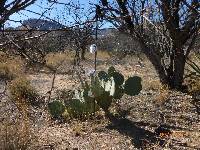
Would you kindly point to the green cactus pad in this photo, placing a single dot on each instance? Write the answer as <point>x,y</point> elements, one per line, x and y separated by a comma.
<point>119,92</point>
<point>56,108</point>
<point>133,86</point>
<point>103,75</point>
<point>118,78</point>
<point>77,108</point>
<point>104,101</point>
<point>96,87</point>
<point>111,70</point>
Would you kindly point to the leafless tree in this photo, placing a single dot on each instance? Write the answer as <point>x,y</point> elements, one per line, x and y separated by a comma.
<point>82,30</point>
<point>165,29</point>
<point>9,7</point>
<point>81,37</point>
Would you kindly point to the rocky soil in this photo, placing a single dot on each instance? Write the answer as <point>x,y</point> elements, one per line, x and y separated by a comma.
<point>133,126</point>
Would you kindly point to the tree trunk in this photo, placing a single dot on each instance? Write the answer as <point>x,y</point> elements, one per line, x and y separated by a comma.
<point>173,75</point>
<point>179,65</point>
<point>175,71</point>
<point>83,53</point>
<point>156,62</point>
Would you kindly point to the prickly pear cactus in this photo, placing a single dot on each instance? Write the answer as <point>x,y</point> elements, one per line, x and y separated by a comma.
<point>108,86</point>
<point>96,88</point>
<point>103,76</point>
<point>111,85</point>
<point>56,108</point>
<point>76,108</point>
<point>119,92</point>
<point>104,88</point>
<point>111,70</point>
<point>118,77</point>
<point>82,104</point>
<point>104,101</point>
<point>133,86</point>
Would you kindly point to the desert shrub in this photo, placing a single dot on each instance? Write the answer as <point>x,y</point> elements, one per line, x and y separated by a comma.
<point>22,92</point>
<point>11,68</point>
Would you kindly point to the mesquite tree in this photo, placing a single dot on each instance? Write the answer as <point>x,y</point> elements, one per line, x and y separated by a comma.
<point>82,29</point>
<point>165,29</point>
<point>81,37</point>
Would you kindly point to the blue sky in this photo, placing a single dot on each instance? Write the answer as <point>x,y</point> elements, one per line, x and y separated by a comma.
<point>57,12</point>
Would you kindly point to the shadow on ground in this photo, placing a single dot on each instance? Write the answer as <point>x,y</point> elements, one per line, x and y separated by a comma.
<point>140,137</point>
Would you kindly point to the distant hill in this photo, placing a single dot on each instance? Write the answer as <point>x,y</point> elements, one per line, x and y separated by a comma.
<point>41,24</point>
<point>104,32</point>
<point>107,31</point>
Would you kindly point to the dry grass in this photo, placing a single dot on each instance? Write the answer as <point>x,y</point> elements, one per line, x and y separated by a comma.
<point>163,95</point>
<point>16,132</point>
<point>56,59</point>
<point>103,55</point>
<point>153,85</point>
<point>193,83</point>
<point>193,80</point>
<point>21,92</point>
<point>3,57</point>
<point>11,68</point>
<point>16,135</point>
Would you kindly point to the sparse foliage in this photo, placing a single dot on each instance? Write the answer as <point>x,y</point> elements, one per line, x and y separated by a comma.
<point>22,93</point>
<point>164,30</point>
<point>9,7</point>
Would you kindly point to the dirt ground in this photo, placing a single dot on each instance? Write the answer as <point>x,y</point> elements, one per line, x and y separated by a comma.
<point>140,115</point>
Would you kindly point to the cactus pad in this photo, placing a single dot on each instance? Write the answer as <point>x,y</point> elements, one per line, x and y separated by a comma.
<point>118,78</point>
<point>56,108</point>
<point>103,75</point>
<point>111,70</point>
<point>133,85</point>
<point>119,92</point>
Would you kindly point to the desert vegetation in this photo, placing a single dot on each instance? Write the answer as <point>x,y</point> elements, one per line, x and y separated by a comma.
<point>69,83</point>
